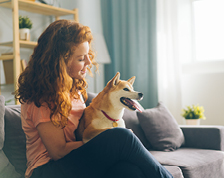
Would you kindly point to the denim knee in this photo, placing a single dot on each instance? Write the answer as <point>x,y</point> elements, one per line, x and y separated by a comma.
<point>118,133</point>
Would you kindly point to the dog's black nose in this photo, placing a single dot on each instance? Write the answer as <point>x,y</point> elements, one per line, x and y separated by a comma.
<point>140,95</point>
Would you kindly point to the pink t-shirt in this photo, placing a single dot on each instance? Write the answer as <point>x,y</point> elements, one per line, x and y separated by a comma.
<point>31,116</point>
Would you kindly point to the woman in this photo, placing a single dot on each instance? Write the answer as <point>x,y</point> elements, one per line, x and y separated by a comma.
<point>50,91</point>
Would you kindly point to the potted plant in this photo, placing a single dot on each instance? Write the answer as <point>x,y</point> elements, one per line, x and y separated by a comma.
<point>25,24</point>
<point>193,114</point>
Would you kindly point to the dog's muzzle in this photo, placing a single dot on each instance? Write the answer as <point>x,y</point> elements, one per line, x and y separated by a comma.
<point>131,104</point>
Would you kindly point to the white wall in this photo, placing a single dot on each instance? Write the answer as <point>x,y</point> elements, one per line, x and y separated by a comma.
<point>203,84</point>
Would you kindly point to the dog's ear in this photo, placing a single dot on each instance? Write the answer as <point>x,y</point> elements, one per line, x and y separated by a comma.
<point>131,80</point>
<point>115,80</point>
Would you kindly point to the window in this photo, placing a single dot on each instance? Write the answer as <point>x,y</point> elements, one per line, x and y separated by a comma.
<point>208,29</point>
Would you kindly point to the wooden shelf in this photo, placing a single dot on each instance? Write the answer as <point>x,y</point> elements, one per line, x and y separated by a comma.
<point>27,44</point>
<point>40,8</point>
<point>6,57</point>
<point>23,44</point>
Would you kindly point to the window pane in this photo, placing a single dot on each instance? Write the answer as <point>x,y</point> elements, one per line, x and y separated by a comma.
<point>209,29</point>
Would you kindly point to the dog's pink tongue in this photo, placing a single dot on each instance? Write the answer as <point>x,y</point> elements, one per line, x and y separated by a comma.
<point>136,105</point>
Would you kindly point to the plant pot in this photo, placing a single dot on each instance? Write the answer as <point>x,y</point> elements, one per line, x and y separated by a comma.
<point>193,121</point>
<point>24,34</point>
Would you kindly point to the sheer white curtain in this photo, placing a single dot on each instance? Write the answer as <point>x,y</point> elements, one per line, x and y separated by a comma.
<point>168,56</point>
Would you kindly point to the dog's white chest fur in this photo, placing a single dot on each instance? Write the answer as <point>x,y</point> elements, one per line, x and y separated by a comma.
<point>104,123</point>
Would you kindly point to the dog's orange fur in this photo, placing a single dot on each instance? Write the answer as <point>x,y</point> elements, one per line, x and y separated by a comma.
<point>87,127</point>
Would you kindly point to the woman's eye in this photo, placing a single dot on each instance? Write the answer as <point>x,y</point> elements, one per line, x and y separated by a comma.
<point>126,89</point>
<point>82,59</point>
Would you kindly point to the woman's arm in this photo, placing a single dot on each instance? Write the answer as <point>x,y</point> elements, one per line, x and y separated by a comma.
<point>54,140</point>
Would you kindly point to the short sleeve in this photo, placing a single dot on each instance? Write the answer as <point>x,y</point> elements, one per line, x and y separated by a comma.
<point>38,115</point>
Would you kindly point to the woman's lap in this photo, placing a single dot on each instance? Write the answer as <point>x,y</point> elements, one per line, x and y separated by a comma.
<point>103,153</point>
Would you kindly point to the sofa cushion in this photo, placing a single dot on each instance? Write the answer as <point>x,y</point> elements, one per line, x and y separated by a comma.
<point>15,140</point>
<point>2,112</point>
<point>175,171</point>
<point>160,128</point>
<point>194,163</point>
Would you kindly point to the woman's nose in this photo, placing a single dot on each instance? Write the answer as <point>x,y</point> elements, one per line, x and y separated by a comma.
<point>88,61</point>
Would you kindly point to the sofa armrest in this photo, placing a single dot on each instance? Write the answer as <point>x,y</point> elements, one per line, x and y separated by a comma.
<point>204,137</point>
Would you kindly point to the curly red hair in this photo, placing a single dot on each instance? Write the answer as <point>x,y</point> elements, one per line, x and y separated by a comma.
<point>45,79</point>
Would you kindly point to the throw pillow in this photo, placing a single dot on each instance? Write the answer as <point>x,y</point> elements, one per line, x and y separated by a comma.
<point>132,122</point>
<point>2,113</point>
<point>161,128</point>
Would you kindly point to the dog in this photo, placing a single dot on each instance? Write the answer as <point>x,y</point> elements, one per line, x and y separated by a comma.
<point>107,108</point>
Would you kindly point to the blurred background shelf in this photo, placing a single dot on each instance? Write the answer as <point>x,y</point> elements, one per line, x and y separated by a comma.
<point>40,8</point>
<point>23,44</point>
<point>16,44</point>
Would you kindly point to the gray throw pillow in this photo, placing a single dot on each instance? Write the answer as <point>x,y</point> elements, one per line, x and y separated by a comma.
<point>132,122</point>
<point>2,113</point>
<point>161,128</point>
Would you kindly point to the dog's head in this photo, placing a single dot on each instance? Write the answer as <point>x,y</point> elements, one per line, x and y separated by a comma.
<point>122,94</point>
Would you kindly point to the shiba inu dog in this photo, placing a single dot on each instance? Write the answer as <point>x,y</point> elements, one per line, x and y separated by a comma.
<point>107,108</point>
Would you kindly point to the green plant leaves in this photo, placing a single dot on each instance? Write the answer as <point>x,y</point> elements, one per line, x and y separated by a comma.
<point>25,22</point>
<point>193,112</point>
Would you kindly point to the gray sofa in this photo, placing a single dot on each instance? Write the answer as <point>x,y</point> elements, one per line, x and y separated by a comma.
<point>200,154</point>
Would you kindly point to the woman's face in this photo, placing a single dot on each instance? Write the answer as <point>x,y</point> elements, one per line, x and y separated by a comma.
<point>79,61</point>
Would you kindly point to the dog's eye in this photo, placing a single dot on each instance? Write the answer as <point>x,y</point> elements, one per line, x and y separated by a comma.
<point>126,89</point>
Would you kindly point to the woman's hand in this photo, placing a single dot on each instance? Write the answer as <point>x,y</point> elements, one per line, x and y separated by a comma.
<point>54,140</point>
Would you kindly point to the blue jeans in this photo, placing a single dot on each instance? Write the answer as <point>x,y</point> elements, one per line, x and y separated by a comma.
<point>114,153</point>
